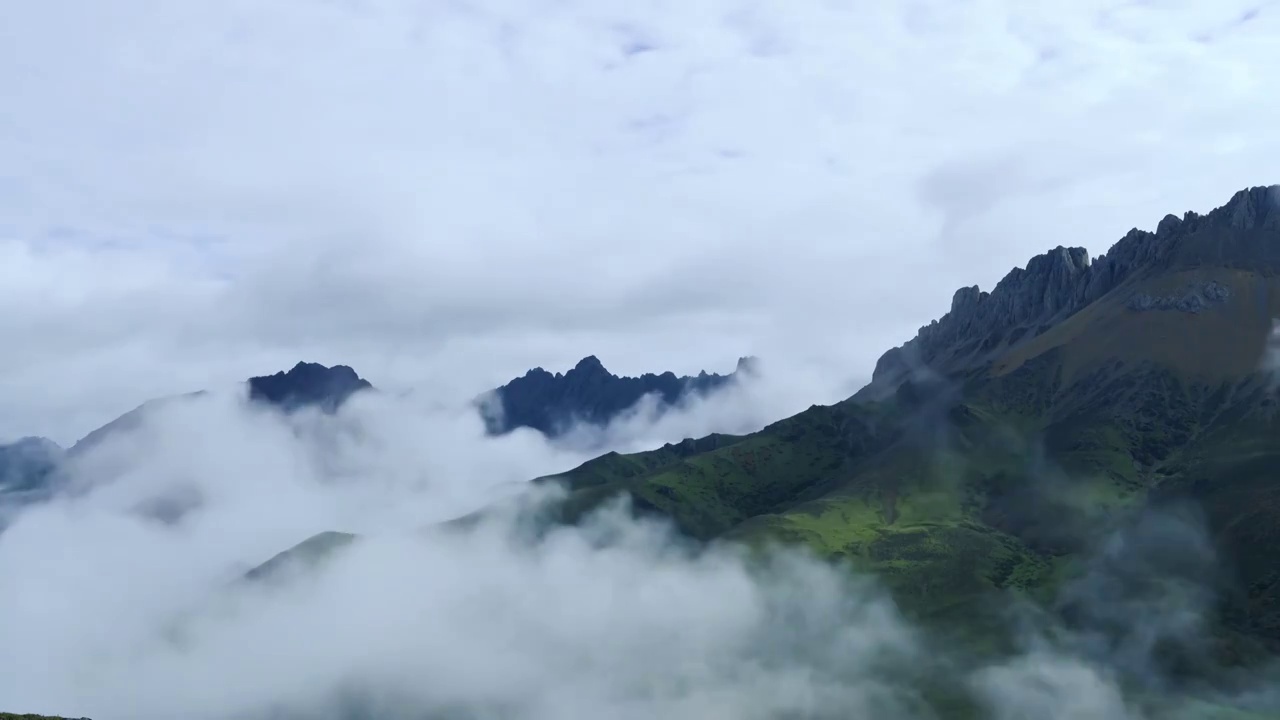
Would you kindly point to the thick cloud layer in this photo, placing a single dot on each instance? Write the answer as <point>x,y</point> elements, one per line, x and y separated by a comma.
<point>123,592</point>
<point>123,597</point>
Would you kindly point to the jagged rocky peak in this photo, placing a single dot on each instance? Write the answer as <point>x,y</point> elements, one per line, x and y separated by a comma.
<point>588,393</point>
<point>1168,225</point>
<point>589,369</point>
<point>587,366</point>
<point>308,384</point>
<point>1045,287</point>
<point>1057,284</point>
<point>1254,208</point>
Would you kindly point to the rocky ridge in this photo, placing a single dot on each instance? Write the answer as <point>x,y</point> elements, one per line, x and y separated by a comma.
<point>540,400</point>
<point>306,385</point>
<point>551,402</point>
<point>1057,284</point>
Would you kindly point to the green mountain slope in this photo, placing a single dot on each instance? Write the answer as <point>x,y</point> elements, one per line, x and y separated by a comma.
<point>1149,391</point>
<point>992,454</point>
<point>899,486</point>
<point>1028,420</point>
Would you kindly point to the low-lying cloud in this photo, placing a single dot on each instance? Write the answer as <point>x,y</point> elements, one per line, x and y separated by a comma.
<point>764,394</point>
<point>125,603</point>
<point>123,595</point>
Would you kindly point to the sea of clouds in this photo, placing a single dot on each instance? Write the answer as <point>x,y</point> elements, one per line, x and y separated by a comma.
<point>124,599</point>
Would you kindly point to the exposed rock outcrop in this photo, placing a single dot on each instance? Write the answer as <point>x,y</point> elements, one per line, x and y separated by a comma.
<point>1061,282</point>
<point>1191,300</point>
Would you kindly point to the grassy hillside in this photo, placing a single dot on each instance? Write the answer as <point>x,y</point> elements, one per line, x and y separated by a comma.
<point>1081,427</point>
<point>1040,436</point>
<point>918,494</point>
<point>992,482</point>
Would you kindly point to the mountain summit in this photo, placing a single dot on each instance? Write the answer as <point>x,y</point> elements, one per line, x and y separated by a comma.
<point>550,403</point>
<point>308,384</point>
<point>538,400</point>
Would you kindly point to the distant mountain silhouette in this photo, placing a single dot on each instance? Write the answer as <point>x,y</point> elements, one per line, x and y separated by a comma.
<point>26,466</point>
<point>551,403</point>
<point>27,474</point>
<point>308,385</point>
<point>546,402</point>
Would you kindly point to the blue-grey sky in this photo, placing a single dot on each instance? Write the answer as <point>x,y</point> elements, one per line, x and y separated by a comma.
<point>443,194</point>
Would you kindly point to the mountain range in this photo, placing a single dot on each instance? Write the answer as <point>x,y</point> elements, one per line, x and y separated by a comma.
<point>588,393</point>
<point>1126,400</point>
<point>545,402</point>
<point>1100,437</point>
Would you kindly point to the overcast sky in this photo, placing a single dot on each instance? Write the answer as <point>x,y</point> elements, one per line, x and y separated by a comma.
<point>445,193</point>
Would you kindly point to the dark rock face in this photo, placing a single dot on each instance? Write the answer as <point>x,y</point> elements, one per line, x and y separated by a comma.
<point>1059,283</point>
<point>550,403</point>
<point>308,385</point>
